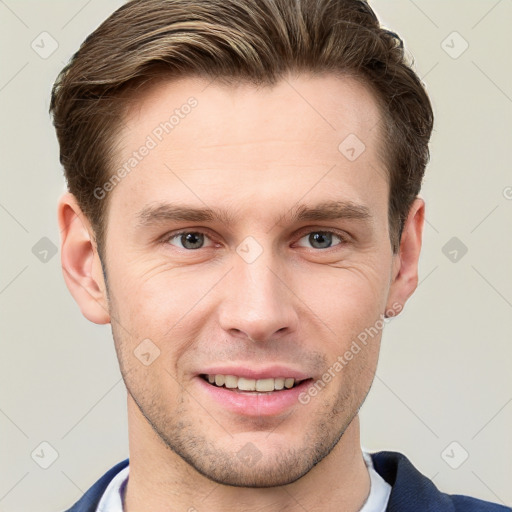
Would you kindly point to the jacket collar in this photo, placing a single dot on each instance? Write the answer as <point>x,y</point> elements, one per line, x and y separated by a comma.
<point>410,490</point>
<point>89,501</point>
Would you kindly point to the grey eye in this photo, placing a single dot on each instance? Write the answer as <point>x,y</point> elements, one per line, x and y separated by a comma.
<point>188,240</point>
<point>320,239</point>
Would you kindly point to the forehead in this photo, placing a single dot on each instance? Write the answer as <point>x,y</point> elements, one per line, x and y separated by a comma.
<point>238,140</point>
<point>312,105</point>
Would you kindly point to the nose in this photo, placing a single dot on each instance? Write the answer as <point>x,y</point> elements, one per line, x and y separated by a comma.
<point>258,304</point>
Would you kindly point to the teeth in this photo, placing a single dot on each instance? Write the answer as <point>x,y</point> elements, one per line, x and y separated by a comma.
<point>265,385</point>
<point>243,384</point>
<point>246,384</point>
<point>278,384</point>
<point>231,381</point>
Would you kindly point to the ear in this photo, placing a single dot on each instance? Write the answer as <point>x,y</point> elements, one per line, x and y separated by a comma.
<point>81,265</point>
<point>404,278</point>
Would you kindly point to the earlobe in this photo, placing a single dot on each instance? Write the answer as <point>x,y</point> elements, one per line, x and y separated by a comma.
<point>405,265</point>
<point>81,265</point>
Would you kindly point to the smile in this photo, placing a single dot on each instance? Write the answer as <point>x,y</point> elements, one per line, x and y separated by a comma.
<point>245,384</point>
<point>249,391</point>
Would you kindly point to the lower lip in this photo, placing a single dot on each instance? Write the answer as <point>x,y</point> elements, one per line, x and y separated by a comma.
<point>253,403</point>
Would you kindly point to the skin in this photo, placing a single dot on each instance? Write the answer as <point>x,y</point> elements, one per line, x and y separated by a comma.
<point>256,153</point>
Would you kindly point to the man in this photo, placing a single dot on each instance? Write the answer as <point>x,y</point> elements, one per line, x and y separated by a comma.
<point>243,204</point>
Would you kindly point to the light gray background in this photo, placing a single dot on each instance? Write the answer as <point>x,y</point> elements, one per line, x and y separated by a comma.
<point>444,372</point>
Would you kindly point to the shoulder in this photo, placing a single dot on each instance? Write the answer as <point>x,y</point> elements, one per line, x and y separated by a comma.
<point>466,503</point>
<point>89,501</point>
<point>411,490</point>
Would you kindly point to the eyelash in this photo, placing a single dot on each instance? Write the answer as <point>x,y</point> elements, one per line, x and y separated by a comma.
<point>342,237</point>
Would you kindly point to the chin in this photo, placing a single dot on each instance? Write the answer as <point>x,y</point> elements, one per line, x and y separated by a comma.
<point>276,464</point>
<point>256,477</point>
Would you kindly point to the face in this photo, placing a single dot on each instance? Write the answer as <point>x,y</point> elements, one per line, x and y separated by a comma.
<point>247,250</point>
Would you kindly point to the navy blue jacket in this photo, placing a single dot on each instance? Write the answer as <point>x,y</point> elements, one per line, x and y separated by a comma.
<point>411,491</point>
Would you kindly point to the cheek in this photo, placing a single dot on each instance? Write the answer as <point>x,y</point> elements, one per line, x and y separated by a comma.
<point>149,365</point>
<point>154,297</point>
<point>349,304</point>
<point>161,308</point>
<point>347,299</point>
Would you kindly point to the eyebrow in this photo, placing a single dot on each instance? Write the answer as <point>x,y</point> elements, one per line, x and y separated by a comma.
<point>328,210</point>
<point>332,210</point>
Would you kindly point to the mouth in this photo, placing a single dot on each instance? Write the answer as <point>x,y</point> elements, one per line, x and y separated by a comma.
<point>247,391</point>
<point>252,386</point>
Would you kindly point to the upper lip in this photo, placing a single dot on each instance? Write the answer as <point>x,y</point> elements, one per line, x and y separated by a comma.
<point>268,372</point>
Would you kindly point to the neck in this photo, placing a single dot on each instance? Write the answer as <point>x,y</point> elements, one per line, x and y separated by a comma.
<point>159,480</point>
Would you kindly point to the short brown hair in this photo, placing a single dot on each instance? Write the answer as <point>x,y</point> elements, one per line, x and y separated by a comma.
<point>246,40</point>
